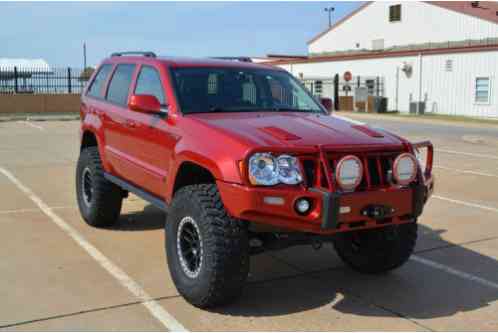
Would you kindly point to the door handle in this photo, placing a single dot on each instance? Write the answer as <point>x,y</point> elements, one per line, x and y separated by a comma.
<point>131,123</point>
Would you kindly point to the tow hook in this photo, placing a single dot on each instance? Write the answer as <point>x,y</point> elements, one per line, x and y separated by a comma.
<point>316,244</point>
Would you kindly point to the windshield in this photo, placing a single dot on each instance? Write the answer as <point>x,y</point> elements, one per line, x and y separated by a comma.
<point>202,89</point>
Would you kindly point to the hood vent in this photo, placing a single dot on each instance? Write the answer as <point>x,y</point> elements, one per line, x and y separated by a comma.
<point>279,133</point>
<point>368,131</point>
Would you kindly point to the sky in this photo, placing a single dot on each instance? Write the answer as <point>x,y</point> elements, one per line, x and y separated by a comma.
<point>56,31</point>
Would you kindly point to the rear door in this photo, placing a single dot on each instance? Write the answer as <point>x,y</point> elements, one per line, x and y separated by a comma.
<point>117,123</point>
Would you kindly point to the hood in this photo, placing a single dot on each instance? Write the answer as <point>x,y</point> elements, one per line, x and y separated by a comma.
<point>292,129</point>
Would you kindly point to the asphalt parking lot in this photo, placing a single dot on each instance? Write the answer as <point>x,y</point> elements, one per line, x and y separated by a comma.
<point>57,273</point>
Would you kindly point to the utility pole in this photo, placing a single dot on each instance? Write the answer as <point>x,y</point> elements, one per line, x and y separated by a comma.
<point>84,55</point>
<point>330,10</point>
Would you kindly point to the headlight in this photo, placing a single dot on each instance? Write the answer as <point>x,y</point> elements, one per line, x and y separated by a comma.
<point>349,172</point>
<point>288,170</point>
<point>405,169</point>
<point>265,169</point>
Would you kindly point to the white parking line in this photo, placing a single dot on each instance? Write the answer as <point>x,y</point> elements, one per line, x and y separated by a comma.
<point>31,210</point>
<point>466,203</point>
<point>477,173</point>
<point>493,157</point>
<point>126,281</point>
<point>30,124</point>
<point>463,275</point>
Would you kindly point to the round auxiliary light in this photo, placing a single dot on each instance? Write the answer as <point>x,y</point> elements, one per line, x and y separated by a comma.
<point>349,172</point>
<point>405,168</point>
<point>303,205</point>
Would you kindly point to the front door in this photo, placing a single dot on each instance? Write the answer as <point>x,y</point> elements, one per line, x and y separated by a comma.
<point>151,136</point>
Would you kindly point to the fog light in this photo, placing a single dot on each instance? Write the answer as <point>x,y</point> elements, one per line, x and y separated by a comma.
<point>303,206</point>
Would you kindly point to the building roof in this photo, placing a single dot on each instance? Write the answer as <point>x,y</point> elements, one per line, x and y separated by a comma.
<point>8,64</point>
<point>387,54</point>
<point>338,23</point>
<point>485,10</point>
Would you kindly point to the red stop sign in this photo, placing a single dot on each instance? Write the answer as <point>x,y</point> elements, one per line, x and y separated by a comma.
<point>348,76</point>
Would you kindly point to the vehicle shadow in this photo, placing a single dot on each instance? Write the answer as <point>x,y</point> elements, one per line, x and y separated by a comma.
<point>300,279</point>
<point>149,218</point>
<point>416,290</point>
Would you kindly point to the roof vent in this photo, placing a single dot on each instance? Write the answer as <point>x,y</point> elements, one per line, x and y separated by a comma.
<point>474,4</point>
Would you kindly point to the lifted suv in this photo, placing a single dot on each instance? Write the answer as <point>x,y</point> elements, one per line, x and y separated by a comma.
<point>243,160</point>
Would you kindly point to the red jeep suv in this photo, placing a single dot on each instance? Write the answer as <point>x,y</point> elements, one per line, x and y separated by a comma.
<point>243,160</point>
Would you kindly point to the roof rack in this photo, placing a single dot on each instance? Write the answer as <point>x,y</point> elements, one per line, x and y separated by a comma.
<point>242,59</point>
<point>148,54</point>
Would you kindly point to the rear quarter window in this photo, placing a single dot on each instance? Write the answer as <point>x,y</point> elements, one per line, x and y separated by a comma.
<point>119,86</point>
<point>95,89</point>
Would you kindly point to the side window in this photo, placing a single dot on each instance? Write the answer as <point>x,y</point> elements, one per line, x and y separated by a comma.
<point>482,90</point>
<point>149,83</point>
<point>99,81</point>
<point>120,84</point>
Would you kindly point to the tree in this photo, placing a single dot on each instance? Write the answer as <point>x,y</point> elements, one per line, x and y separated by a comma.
<point>86,74</point>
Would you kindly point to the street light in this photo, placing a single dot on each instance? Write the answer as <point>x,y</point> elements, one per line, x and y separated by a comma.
<point>329,10</point>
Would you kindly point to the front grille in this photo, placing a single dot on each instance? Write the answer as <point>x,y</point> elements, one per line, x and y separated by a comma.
<point>377,169</point>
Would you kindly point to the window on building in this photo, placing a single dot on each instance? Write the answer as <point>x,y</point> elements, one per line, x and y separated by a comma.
<point>448,65</point>
<point>395,13</point>
<point>95,89</point>
<point>120,84</point>
<point>213,84</point>
<point>482,90</point>
<point>149,83</point>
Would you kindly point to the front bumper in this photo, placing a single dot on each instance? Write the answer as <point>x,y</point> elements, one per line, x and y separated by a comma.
<point>331,212</point>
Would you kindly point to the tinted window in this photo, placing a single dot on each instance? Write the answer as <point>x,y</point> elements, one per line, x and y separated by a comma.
<point>240,90</point>
<point>120,84</point>
<point>99,81</point>
<point>149,83</point>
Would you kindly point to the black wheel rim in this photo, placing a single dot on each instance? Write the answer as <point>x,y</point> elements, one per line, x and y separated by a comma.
<point>189,247</point>
<point>87,186</point>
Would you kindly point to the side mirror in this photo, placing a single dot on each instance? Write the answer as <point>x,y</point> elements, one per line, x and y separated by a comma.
<point>327,103</point>
<point>144,103</point>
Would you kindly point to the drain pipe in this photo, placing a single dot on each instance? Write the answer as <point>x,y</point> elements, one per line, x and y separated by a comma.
<point>419,82</point>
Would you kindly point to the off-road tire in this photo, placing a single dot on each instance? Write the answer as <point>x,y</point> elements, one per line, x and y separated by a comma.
<point>104,206</point>
<point>224,243</point>
<point>377,251</point>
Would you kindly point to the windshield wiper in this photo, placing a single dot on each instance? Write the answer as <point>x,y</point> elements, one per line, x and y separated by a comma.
<point>217,109</point>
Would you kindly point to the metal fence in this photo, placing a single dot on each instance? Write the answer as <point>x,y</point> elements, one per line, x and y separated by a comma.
<point>66,80</point>
<point>324,86</point>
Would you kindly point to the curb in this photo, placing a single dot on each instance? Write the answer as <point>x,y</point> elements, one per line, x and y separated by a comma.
<point>32,117</point>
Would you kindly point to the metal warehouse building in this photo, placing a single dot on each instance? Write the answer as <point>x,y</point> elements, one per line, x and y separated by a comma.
<point>439,57</point>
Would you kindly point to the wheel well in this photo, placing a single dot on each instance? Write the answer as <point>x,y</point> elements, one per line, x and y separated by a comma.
<point>190,174</point>
<point>89,140</point>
